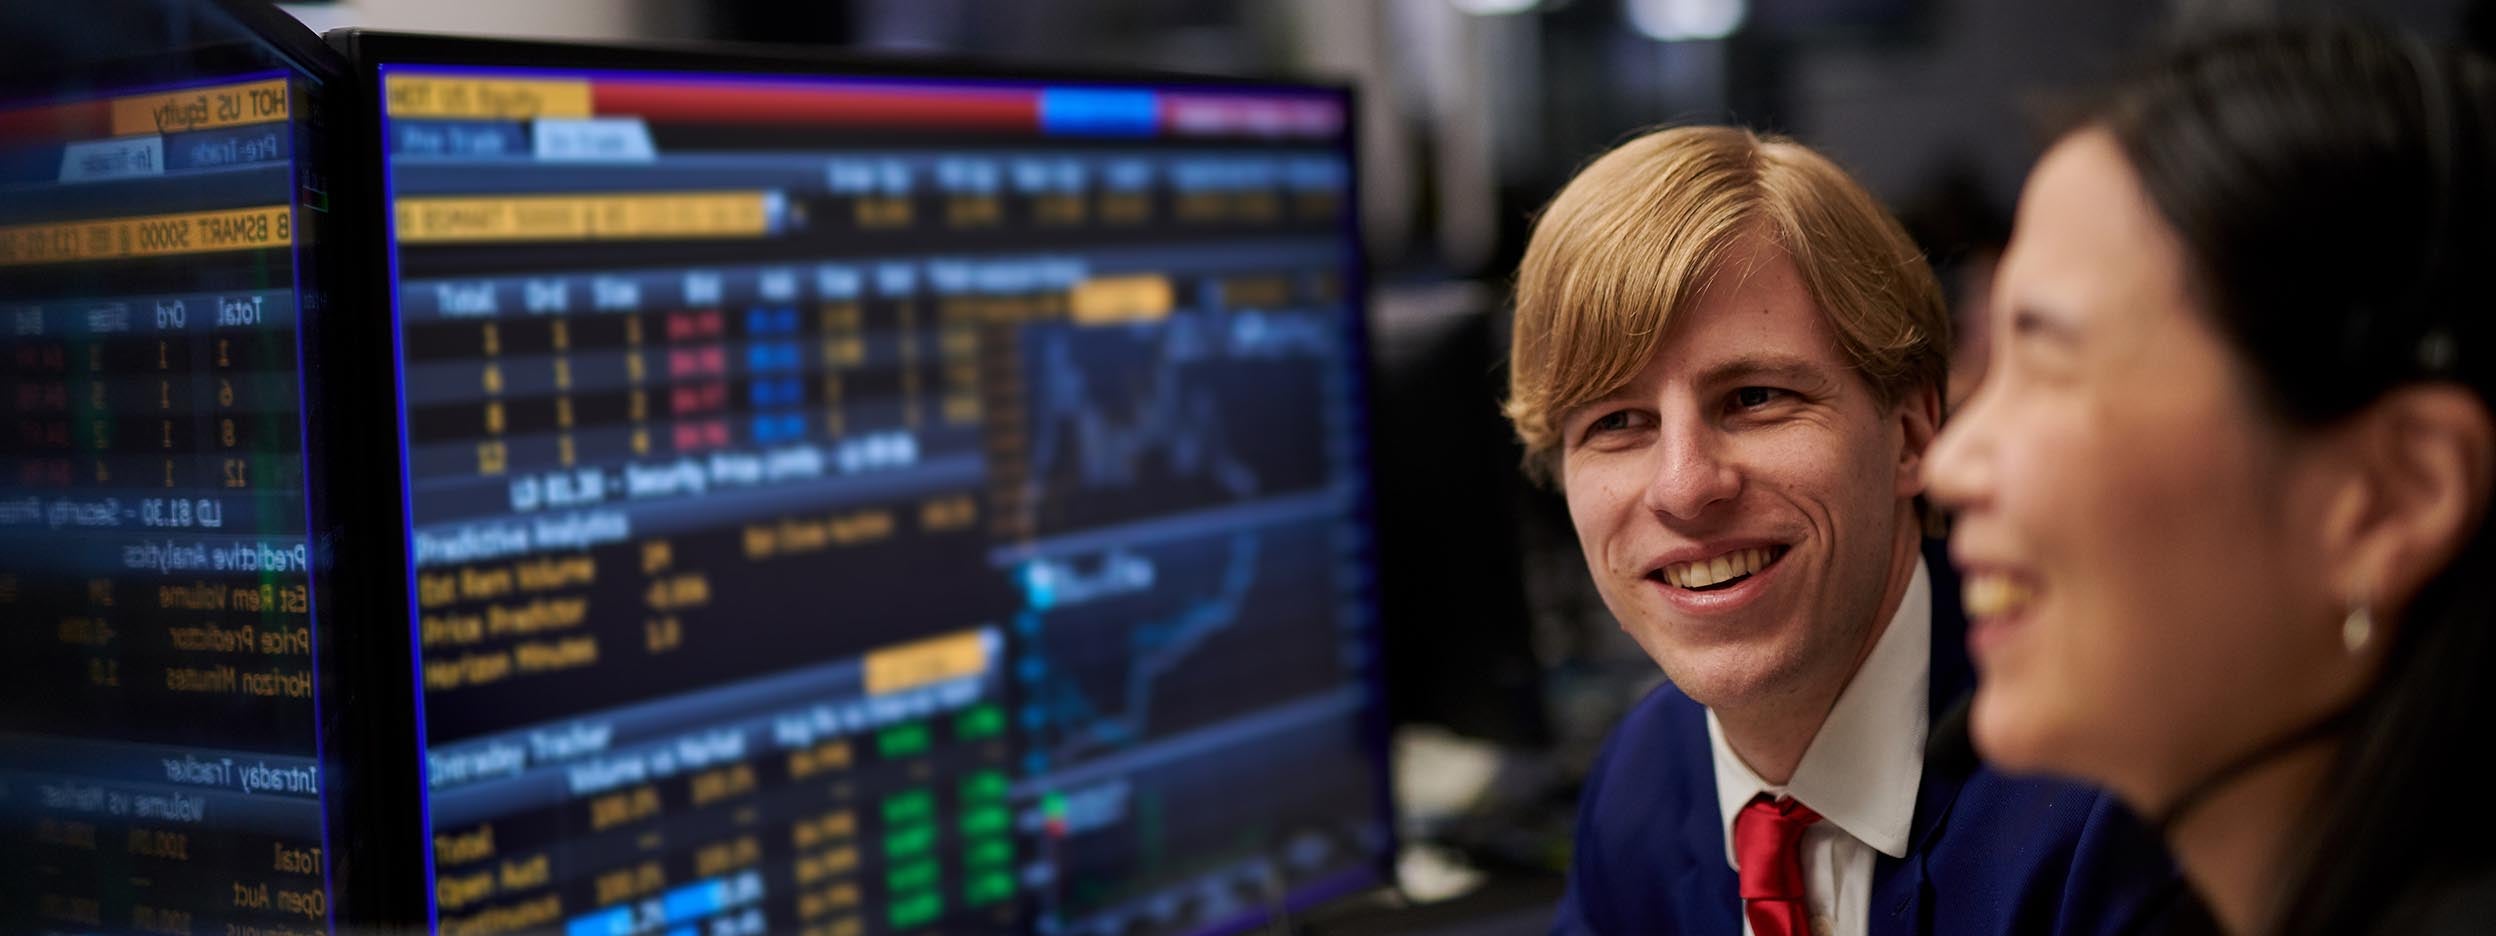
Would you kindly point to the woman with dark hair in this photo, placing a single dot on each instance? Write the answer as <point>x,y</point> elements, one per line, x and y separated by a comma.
<point>2220,499</point>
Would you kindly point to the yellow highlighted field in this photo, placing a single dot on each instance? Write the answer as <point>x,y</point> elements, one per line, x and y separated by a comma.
<point>919,663</point>
<point>1113,299</point>
<point>200,108</point>
<point>147,235</point>
<point>635,216</point>
<point>486,98</point>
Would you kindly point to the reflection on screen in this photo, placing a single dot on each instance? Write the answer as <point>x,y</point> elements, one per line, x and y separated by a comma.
<point>881,505</point>
<point>159,767</point>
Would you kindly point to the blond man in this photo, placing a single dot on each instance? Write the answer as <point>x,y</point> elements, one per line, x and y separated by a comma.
<point>1730,360</point>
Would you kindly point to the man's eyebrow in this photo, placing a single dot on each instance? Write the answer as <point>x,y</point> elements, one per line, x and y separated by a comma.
<point>1618,395</point>
<point>1779,368</point>
<point>1788,369</point>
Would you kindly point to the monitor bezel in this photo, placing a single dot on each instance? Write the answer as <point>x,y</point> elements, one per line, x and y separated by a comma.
<point>359,747</point>
<point>370,51</point>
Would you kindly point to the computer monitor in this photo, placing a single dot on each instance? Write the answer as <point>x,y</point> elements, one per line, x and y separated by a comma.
<point>877,499</point>
<point>161,742</point>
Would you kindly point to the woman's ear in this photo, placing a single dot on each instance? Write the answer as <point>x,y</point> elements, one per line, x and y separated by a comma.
<point>2425,457</point>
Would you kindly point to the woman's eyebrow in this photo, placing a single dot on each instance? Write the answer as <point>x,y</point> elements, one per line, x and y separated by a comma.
<point>2029,318</point>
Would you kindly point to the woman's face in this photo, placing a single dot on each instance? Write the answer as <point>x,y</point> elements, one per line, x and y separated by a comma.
<point>2139,538</point>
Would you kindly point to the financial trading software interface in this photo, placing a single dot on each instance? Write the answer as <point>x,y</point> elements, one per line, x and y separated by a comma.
<point>881,505</point>
<point>159,768</point>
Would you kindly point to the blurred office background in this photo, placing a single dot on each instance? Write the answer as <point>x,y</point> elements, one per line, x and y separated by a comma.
<point>1505,668</point>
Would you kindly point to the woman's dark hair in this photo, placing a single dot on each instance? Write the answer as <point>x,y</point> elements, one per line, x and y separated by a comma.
<point>2335,189</point>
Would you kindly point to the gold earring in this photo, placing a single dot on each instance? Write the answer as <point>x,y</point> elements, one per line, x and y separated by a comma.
<point>2357,629</point>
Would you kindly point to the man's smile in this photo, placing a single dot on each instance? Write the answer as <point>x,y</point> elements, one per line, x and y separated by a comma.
<point>1719,571</point>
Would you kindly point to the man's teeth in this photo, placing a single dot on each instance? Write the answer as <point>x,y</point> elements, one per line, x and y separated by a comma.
<point>1724,568</point>
<point>1991,594</point>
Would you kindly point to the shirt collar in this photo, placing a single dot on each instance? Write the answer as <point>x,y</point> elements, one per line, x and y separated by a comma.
<point>1862,768</point>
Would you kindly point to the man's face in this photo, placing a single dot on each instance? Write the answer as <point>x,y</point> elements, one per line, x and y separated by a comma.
<point>1745,502</point>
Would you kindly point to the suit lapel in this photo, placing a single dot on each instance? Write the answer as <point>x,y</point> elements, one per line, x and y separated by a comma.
<point>1707,895</point>
<point>1901,889</point>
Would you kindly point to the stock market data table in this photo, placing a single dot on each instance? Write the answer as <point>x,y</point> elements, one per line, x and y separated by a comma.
<point>874,505</point>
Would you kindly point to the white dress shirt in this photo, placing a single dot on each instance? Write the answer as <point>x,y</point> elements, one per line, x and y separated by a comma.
<point>1860,772</point>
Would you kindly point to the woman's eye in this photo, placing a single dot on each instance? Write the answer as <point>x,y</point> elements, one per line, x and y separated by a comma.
<point>1756,397</point>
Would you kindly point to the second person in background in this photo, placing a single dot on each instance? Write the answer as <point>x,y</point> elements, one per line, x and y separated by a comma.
<point>2222,498</point>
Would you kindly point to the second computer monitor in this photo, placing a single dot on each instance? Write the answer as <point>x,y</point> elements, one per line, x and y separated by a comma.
<point>850,501</point>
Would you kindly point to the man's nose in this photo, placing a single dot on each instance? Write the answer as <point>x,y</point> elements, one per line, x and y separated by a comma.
<point>1692,472</point>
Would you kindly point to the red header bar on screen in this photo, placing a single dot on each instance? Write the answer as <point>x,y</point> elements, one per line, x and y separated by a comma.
<point>1096,110</point>
<point>81,120</point>
<point>723,102</point>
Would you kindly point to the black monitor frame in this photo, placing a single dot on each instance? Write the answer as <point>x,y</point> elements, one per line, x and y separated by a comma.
<point>355,538</point>
<point>389,839</point>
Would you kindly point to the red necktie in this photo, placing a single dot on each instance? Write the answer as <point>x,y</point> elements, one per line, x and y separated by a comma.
<point>1768,845</point>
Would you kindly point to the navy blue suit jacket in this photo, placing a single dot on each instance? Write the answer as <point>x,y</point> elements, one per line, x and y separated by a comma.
<point>1989,854</point>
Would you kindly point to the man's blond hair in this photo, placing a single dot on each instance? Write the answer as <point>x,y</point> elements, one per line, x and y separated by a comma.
<point>1638,234</point>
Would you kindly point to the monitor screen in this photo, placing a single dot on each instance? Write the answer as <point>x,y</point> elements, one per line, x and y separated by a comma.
<point>847,502</point>
<point>160,751</point>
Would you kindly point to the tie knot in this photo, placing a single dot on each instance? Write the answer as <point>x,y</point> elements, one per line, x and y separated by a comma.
<point>1767,843</point>
<point>1783,810</point>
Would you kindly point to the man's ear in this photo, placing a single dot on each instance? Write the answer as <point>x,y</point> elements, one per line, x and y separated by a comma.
<point>2424,458</point>
<point>1919,419</point>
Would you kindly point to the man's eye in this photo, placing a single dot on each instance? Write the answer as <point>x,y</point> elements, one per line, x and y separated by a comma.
<point>1615,421</point>
<point>1756,397</point>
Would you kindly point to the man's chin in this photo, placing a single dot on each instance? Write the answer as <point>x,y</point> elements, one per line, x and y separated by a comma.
<point>1726,677</point>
